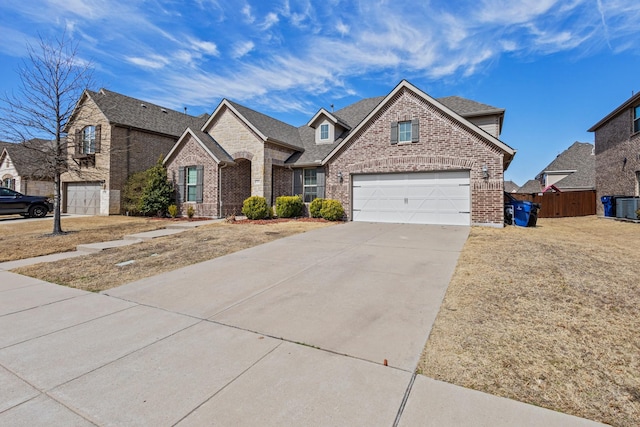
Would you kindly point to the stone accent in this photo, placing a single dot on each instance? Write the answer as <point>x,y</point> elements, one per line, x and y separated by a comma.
<point>444,144</point>
<point>614,142</point>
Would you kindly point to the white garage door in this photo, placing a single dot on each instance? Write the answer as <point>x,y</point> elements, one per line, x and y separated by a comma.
<point>83,198</point>
<point>413,198</point>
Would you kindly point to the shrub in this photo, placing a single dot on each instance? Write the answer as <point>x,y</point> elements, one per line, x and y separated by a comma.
<point>173,211</point>
<point>255,207</point>
<point>132,192</point>
<point>190,211</point>
<point>314,207</point>
<point>289,206</point>
<point>158,193</point>
<point>332,210</point>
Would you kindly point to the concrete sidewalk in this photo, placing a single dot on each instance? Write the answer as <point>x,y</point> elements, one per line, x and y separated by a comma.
<point>293,332</point>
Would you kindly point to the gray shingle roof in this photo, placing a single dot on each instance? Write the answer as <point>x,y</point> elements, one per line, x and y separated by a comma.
<point>126,111</point>
<point>531,186</point>
<point>270,127</point>
<point>510,187</point>
<point>579,157</point>
<point>31,159</point>
<point>467,107</point>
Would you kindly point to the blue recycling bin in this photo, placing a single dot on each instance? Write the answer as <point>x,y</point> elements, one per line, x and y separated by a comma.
<point>522,212</point>
<point>607,203</point>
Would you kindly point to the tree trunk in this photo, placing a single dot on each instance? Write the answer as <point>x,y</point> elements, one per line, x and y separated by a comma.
<point>57,226</point>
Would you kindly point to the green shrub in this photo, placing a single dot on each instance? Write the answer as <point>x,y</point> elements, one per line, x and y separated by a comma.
<point>289,206</point>
<point>173,211</point>
<point>157,195</point>
<point>315,207</point>
<point>132,193</point>
<point>255,207</point>
<point>332,210</point>
<point>190,211</point>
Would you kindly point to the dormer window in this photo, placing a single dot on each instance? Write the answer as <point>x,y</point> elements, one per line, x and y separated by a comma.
<point>324,132</point>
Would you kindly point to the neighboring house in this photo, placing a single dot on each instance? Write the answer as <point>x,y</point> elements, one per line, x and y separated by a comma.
<point>530,187</point>
<point>23,167</point>
<point>617,148</point>
<point>510,187</point>
<point>404,157</point>
<point>572,170</point>
<point>112,136</point>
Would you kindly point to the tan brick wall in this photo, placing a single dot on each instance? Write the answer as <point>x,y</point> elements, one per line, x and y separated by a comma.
<point>444,145</point>
<point>614,142</point>
<point>191,153</point>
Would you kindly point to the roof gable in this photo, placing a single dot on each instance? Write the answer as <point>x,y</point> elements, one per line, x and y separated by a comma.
<point>206,141</point>
<point>405,85</point>
<point>579,161</point>
<point>31,158</point>
<point>634,100</point>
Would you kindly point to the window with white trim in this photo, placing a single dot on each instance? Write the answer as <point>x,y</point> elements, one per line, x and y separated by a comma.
<point>192,184</point>
<point>309,185</point>
<point>404,131</point>
<point>88,140</point>
<point>9,183</point>
<point>636,119</point>
<point>324,131</point>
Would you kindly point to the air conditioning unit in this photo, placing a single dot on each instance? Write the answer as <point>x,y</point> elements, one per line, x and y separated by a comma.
<point>627,207</point>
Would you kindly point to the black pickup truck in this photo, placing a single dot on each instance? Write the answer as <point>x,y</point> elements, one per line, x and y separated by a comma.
<point>12,202</point>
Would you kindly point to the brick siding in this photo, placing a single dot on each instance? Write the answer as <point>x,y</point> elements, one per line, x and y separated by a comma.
<point>614,142</point>
<point>236,187</point>
<point>444,144</point>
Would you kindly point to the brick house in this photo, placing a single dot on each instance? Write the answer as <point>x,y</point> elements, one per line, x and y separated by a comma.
<point>110,137</point>
<point>403,157</point>
<point>617,148</point>
<point>25,167</point>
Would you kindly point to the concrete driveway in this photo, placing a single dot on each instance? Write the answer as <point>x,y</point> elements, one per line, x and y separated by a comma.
<point>294,332</point>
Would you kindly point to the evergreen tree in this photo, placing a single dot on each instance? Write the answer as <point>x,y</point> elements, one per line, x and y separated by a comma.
<point>158,193</point>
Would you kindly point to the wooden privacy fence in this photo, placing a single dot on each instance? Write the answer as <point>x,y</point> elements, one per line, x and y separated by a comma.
<point>558,205</point>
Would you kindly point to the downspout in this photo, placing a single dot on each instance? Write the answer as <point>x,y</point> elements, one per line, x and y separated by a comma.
<point>222,166</point>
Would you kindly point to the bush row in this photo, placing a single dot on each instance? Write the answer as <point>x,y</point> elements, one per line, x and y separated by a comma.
<point>255,207</point>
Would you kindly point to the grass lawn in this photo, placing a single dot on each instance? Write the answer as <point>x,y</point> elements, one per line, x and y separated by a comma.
<point>97,272</point>
<point>22,239</point>
<point>547,315</point>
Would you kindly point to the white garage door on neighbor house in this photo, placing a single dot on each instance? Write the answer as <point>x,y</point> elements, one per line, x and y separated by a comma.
<point>413,198</point>
<point>83,198</point>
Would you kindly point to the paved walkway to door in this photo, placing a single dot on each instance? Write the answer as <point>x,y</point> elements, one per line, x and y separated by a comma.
<point>321,328</point>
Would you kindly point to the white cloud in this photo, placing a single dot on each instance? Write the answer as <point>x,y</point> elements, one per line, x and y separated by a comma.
<point>248,15</point>
<point>208,48</point>
<point>269,21</point>
<point>342,28</point>
<point>240,49</point>
<point>154,61</point>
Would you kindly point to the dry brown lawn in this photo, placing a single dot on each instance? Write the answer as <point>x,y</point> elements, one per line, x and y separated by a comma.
<point>22,239</point>
<point>99,271</point>
<point>547,315</point>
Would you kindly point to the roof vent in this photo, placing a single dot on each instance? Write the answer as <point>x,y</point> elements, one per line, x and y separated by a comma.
<point>143,105</point>
<point>163,110</point>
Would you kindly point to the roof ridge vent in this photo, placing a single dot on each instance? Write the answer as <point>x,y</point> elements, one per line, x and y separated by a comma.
<point>143,105</point>
<point>164,110</point>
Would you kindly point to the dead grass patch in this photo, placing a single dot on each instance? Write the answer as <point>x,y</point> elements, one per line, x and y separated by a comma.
<point>98,272</point>
<point>27,239</point>
<point>547,315</point>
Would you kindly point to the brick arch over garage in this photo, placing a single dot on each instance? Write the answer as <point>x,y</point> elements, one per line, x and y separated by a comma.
<point>235,185</point>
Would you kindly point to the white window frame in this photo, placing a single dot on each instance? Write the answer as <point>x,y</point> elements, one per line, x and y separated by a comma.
<point>9,183</point>
<point>404,131</point>
<point>89,140</point>
<point>324,132</point>
<point>191,185</point>
<point>309,191</point>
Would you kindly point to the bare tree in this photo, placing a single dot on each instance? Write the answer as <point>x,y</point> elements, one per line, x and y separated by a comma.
<point>52,79</point>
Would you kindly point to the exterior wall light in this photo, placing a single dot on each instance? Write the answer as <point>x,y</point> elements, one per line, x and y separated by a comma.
<point>340,177</point>
<point>485,172</point>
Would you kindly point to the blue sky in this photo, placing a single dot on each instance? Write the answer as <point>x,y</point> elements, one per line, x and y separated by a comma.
<point>557,67</point>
